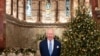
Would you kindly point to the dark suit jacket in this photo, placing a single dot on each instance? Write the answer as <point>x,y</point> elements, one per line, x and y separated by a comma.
<point>44,48</point>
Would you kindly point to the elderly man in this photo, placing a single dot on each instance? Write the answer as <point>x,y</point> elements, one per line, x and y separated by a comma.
<point>50,46</point>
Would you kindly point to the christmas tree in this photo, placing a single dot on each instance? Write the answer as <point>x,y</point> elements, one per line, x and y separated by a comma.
<point>82,37</point>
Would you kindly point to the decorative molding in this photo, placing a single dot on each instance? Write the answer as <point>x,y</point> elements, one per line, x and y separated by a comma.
<point>10,19</point>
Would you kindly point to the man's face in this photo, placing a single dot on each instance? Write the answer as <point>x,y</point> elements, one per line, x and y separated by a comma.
<point>50,34</point>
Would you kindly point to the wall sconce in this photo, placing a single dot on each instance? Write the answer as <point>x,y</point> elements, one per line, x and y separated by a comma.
<point>97,11</point>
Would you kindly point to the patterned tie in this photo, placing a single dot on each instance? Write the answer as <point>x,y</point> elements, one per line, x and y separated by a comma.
<point>50,47</point>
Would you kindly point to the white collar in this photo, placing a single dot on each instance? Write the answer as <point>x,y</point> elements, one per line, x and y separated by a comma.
<point>50,40</point>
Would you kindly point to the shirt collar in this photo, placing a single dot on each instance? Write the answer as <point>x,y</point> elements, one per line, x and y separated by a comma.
<point>51,40</point>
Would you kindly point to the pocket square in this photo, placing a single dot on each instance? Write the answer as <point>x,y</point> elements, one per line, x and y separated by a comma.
<point>57,46</point>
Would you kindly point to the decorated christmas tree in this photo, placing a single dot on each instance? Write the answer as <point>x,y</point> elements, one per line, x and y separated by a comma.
<point>82,37</point>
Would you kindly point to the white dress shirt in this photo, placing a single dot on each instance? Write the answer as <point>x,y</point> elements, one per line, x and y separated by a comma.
<point>52,41</point>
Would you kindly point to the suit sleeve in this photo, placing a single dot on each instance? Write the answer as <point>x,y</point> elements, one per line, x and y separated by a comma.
<point>40,47</point>
<point>60,49</point>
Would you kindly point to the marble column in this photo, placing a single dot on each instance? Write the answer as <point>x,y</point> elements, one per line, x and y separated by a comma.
<point>2,11</point>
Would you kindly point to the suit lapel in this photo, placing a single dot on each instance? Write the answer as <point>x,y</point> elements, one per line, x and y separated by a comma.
<point>47,47</point>
<point>54,47</point>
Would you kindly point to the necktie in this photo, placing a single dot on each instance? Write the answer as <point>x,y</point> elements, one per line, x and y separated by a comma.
<point>50,48</point>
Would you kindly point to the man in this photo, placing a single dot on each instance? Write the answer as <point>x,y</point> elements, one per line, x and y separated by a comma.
<point>50,46</point>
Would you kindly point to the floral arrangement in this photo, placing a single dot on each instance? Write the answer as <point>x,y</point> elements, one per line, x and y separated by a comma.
<point>43,36</point>
<point>17,51</point>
